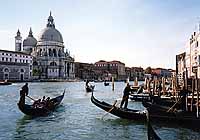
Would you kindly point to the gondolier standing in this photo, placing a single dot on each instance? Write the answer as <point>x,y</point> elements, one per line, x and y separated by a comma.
<point>25,89</point>
<point>125,97</point>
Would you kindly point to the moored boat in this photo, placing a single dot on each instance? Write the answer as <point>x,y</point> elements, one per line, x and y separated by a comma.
<point>39,111</point>
<point>152,135</point>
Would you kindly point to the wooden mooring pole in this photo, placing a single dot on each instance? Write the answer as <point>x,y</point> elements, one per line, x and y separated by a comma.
<point>193,85</point>
<point>113,83</point>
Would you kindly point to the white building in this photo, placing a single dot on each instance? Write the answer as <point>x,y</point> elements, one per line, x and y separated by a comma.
<point>192,58</point>
<point>50,61</point>
<point>15,66</point>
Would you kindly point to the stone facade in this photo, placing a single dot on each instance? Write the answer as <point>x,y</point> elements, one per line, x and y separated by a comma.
<point>108,69</point>
<point>15,66</point>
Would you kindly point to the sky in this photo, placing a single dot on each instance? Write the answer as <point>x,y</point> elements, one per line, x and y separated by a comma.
<point>136,32</point>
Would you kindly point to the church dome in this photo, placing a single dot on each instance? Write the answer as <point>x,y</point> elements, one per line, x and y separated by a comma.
<point>30,40</point>
<point>50,33</point>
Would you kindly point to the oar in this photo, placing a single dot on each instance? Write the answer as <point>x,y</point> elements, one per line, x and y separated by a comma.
<point>113,106</point>
<point>30,98</point>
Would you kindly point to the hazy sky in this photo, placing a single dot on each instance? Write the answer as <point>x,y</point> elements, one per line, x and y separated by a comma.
<point>135,32</point>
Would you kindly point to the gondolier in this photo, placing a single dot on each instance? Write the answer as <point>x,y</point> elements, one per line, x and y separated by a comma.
<point>125,97</point>
<point>25,89</point>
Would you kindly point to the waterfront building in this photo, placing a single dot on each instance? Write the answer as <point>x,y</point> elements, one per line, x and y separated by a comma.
<point>161,72</point>
<point>189,61</point>
<point>192,59</point>
<point>180,68</point>
<point>128,73</point>
<point>137,72</point>
<point>15,65</point>
<point>85,71</point>
<point>108,69</point>
<point>134,72</point>
<point>50,60</point>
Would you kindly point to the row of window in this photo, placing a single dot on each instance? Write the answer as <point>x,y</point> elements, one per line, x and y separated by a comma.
<point>24,56</point>
<point>6,59</point>
<point>103,65</point>
<point>7,70</point>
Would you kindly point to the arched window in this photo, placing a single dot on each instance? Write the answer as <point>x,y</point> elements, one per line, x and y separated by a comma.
<point>50,52</point>
<point>6,70</point>
<point>54,53</point>
<point>40,52</point>
<point>53,64</point>
<point>59,52</point>
<point>21,70</point>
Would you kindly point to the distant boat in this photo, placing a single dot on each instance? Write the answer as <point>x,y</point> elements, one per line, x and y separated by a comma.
<point>106,84</point>
<point>89,88</point>
<point>5,83</point>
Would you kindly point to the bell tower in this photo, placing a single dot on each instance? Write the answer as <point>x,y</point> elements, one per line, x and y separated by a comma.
<point>18,41</point>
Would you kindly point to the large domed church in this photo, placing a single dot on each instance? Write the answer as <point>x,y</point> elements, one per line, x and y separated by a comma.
<point>50,60</point>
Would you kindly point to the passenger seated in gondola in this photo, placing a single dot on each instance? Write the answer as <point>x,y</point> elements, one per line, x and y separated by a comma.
<point>48,102</point>
<point>125,97</point>
<point>43,98</point>
<point>37,103</point>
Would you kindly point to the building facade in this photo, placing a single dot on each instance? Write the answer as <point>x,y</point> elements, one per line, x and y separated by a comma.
<point>108,69</point>
<point>85,71</point>
<point>15,66</point>
<point>161,72</point>
<point>50,60</point>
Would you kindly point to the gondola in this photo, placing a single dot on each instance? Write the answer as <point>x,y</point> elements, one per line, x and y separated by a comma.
<point>162,105</point>
<point>4,83</point>
<point>106,84</point>
<point>43,111</point>
<point>150,131</point>
<point>155,107</point>
<point>184,118</point>
<point>136,115</point>
<point>89,88</point>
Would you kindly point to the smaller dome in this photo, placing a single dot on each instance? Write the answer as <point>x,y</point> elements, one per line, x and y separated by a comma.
<point>30,40</point>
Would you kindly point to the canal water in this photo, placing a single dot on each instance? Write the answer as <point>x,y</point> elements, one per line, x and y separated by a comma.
<point>77,118</point>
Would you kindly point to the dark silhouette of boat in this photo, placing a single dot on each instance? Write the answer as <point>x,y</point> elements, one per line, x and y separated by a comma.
<point>188,119</point>
<point>43,111</point>
<point>136,115</point>
<point>106,84</point>
<point>89,88</point>
<point>150,131</point>
<point>3,83</point>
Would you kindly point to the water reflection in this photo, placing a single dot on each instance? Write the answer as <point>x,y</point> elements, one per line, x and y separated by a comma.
<point>21,131</point>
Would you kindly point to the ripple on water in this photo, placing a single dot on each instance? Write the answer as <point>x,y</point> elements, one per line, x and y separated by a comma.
<point>77,118</point>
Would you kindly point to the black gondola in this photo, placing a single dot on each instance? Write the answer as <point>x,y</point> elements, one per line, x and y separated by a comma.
<point>150,131</point>
<point>119,112</point>
<point>184,118</point>
<point>4,83</point>
<point>106,84</point>
<point>89,88</point>
<point>43,111</point>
